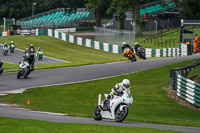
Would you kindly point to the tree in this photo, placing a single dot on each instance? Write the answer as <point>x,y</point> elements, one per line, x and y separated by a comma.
<point>97,5</point>
<point>118,8</point>
<point>73,4</point>
<point>190,9</point>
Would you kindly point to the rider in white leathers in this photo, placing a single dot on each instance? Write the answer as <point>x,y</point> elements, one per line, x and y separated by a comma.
<point>118,89</point>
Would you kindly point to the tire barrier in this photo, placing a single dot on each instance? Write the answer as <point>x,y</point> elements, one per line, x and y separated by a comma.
<point>188,90</point>
<point>183,71</point>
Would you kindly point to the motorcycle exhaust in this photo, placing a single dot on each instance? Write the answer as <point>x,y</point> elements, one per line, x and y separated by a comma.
<point>99,103</point>
<point>99,100</point>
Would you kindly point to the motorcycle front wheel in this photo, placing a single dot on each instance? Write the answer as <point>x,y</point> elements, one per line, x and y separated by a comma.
<point>96,115</point>
<point>143,56</point>
<point>121,115</point>
<point>19,74</point>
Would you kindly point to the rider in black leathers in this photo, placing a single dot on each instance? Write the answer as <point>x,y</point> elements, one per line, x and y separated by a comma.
<point>1,68</point>
<point>137,45</point>
<point>125,45</point>
<point>32,56</point>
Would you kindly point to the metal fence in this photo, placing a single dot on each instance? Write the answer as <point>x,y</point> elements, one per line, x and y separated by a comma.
<point>113,36</point>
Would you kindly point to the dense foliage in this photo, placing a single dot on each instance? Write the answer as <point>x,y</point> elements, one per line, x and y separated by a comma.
<point>23,8</point>
<point>190,9</point>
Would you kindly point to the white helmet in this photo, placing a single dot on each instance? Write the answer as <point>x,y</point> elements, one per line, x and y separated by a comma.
<point>125,83</point>
<point>123,43</point>
<point>11,41</point>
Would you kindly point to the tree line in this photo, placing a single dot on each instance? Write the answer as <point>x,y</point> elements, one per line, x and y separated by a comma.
<point>190,9</point>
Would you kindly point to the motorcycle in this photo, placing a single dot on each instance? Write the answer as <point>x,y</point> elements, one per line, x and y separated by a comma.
<point>116,108</point>
<point>23,69</point>
<point>5,50</point>
<point>1,68</point>
<point>141,53</point>
<point>129,54</point>
<point>40,55</point>
<point>12,48</point>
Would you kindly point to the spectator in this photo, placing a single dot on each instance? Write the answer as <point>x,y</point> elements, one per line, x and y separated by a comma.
<point>196,42</point>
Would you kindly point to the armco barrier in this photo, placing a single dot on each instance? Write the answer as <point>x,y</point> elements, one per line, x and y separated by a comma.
<point>188,90</point>
<point>168,52</point>
<point>184,71</point>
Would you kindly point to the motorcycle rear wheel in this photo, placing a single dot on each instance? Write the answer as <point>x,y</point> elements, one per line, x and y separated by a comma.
<point>96,115</point>
<point>121,115</point>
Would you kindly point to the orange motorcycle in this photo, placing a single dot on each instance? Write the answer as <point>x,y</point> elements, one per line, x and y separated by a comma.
<point>129,54</point>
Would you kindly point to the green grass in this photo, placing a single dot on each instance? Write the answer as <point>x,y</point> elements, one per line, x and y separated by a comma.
<point>10,67</point>
<point>195,73</point>
<point>174,36</point>
<point>150,101</point>
<point>11,125</point>
<point>55,48</point>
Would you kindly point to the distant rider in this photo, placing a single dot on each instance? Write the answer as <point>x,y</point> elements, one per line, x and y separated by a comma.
<point>1,67</point>
<point>26,51</point>
<point>11,42</point>
<point>5,45</point>
<point>32,56</point>
<point>30,59</point>
<point>137,45</point>
<point>32,49</point>
<point>125,45</point>
<point>39,49</point>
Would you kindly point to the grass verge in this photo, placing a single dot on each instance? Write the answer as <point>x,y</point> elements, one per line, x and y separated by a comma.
<point>151,103</point>
<point>11,125</point>
<point>59,49</point>
<point>55,48</point>
<point>10,67</point>
<point>194,74</point>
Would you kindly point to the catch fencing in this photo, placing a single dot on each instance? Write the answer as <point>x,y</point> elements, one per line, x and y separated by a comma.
<point>114,36</point>
<point>113,48</point>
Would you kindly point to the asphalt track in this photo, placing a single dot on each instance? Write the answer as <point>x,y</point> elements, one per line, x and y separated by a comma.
<point>68,75</point>
<point>16,57</point>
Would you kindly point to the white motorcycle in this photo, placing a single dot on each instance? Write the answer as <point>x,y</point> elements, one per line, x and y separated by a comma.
<point>5,50</point>
<point>23,69</point>
<point>116,108</point>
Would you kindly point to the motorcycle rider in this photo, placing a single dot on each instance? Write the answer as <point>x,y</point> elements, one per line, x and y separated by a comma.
<point>117,90</point>
<point>39,49</point>
<point>119,87</point>
<point>32,49</point>
<point>32,56</point>
<point>11,42</point>
<point>125,45</point>
<point>1,67</point>
<point>5,45</point>
<point>29,58</point>
<point>26,51</point>
<point>137,45</point>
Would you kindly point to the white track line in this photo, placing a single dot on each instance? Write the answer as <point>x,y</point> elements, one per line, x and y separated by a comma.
<point>23,89</point>
<point>7,62</point>
<point>45,57</point>
<point>49,113</point>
